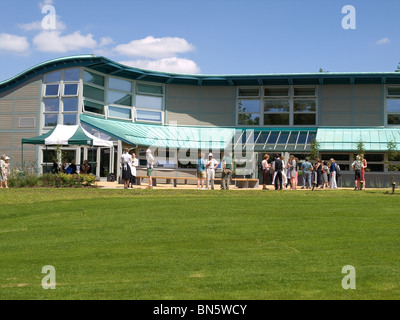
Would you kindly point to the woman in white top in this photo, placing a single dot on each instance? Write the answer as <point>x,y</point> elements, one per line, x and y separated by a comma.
<point>284,172</point>
<point>133,164</point>
<point>2,171</point>
<point>126,160</point>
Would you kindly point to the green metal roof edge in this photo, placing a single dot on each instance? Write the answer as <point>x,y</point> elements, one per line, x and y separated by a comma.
<point>48,66</point>
<point>93,61</point>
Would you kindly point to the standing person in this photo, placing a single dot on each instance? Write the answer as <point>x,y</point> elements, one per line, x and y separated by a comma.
<point>211,165</point>
<point>6,170</point>
<point>325,174</point>
<point>364,162</point>
<point>357,166</point>
<point>265,170</point>
<point>2,171</point>
<point>201,172</point>
<point>125,161</point>
<point>226,171</point>
<point>278,167</point>
<point>284,172</point>
<point>150,166</point>
<point>292,165</point>
<point>306,167</point>
<point>318,173</point>
<point>332,170</point>
<point>134,163</point>
<point>85,167</point>
<point>296,179</point>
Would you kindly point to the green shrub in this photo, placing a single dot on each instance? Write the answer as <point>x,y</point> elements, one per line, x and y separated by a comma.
<point>19,179</point>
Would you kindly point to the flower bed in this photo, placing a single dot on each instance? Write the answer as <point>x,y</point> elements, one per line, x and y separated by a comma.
<point>19,179</point>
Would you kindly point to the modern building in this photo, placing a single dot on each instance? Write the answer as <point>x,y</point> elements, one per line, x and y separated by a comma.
<point>179,114</point>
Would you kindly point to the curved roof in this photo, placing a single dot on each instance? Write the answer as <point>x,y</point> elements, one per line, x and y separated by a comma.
<point>110,67</point>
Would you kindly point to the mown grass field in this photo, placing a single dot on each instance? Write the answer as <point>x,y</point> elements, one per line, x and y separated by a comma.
<point>190,244</point>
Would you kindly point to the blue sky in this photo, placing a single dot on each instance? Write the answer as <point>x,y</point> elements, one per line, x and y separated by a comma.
<point>205,37</point>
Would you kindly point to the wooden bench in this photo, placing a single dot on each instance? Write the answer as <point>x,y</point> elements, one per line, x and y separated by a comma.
<point>246,183</point>
<point>239,182</point>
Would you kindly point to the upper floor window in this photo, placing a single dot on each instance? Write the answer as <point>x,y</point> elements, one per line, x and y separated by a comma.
<point>61,103</point>
<point>393,105</point>
<point>281,106</point>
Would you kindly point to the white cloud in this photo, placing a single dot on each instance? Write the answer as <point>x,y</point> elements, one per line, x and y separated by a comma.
<point>13,43</point>
<point>173,65</point>
<point>383,41</point>
<point>45,3</point>
<point>37,25</point>
<point>155,48</point>
<point>105,41</point>
<point>53,41</point>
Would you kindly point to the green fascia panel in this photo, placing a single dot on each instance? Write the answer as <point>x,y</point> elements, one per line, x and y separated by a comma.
<point>80,138</point>
<point>38,140</point>
<point>162,136</point>
<point>347,139</point>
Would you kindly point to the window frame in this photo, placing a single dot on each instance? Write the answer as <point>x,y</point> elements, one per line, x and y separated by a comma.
<point>121,107</point>
<point>290,97</point>
<point>62,83</point>
<point>387,98</point>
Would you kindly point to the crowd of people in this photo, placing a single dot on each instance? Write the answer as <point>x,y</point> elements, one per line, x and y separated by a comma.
<point>319,174</point>
<point>206,171</point>
<point>4,171</point>
<point>71,168</point>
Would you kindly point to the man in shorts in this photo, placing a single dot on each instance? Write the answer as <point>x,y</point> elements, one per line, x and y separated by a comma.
<point>150,165</point>
<point>201,172</point>
<point>357,167</point>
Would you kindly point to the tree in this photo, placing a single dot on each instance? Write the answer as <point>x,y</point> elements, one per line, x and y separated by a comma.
<point>314,151</point>
<point>392,154</point>
<point>360,148</point>
<point>398,68</point>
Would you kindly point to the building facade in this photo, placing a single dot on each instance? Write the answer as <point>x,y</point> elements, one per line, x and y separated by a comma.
<point>178,115</point>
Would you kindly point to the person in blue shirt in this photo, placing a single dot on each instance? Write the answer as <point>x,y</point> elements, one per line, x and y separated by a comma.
<point>201,172</point>
<point>333,184</point>
<point>306,167</point>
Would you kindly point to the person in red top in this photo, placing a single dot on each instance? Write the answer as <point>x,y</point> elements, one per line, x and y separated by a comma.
<point>364,162</point>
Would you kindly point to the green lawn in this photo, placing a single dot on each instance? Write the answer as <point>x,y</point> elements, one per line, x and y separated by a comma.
<point>190,244</point>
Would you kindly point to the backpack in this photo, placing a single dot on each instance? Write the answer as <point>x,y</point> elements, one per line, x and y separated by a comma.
<point>261,167</point>
<point>338,173</point>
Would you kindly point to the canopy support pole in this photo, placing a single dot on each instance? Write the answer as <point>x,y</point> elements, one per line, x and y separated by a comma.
<point>22,156</point>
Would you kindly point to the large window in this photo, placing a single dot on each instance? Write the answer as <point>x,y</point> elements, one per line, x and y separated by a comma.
<point>281,106</point>
<point>93,92</point>
<point>119,92</point>
<point>122,99</point>
<point>61,103</point>
<point>393,105</point>
<point>149,102</point>
<point>249,107</point>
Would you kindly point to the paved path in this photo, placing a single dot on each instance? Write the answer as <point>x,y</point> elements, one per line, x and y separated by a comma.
<point>115,185</point>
